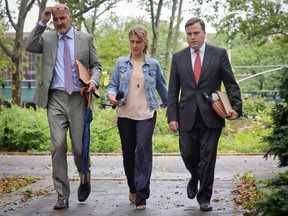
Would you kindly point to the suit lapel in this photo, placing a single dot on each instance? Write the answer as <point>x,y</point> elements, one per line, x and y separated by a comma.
<point>206,60</point>
<point>54,42</point>
<point>77,43</point>
<point>188,63</point>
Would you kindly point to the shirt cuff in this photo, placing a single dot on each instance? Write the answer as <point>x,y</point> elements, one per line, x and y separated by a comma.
<point>42,24</point>
<point>95,83</point>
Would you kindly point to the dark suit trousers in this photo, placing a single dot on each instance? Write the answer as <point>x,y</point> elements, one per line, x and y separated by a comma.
<point>136,140</point>
<point>198,149</point>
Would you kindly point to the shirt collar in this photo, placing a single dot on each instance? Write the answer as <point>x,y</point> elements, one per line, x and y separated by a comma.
<point>69,34</point>
<point>202,48</point>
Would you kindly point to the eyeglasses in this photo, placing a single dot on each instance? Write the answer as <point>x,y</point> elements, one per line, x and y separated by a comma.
<point>61,8</point>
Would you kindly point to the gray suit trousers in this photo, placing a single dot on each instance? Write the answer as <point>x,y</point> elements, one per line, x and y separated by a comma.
<point>65,112</point>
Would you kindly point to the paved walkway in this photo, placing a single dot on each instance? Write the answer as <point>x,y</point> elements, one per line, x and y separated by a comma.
<point>109,195</point>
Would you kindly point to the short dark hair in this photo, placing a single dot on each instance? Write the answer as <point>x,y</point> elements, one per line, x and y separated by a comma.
<point>194,20</point>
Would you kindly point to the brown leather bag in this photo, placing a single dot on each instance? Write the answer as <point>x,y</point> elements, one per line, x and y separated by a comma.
<point>84,75</point>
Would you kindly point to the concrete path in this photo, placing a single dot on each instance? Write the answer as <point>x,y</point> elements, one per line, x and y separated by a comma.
<point>109,195</point>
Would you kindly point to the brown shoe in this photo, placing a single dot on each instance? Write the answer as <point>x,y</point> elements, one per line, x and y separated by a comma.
<point>61,204</point>
<point>206,206</point>
<point>132,197</point>
<point>192,189</point>
<point>140,207</point>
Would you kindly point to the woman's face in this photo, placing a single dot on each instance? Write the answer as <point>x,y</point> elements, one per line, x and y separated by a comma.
<point>137,45</point>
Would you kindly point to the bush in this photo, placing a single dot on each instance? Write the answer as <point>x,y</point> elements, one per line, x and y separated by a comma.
<point>274,202</point>
<point>104,133</point>
<point>26,130</point>
<point>23,130</point>
<point>278,139</point>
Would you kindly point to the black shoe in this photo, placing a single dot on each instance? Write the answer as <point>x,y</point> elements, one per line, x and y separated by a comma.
<point>192,189</point>
<point>84,191</point>
<point>61,204</point>
<point>206,206</point>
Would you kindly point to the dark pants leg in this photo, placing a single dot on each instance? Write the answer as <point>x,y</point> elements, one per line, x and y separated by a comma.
<point>136,140</point>
<point>198,149</point>
<point>127,131</point>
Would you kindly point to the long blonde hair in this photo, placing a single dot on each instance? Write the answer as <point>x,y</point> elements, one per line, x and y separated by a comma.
<point>142,33</point>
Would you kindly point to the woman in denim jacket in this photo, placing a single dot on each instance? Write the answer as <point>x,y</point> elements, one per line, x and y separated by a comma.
<point>138,77</point>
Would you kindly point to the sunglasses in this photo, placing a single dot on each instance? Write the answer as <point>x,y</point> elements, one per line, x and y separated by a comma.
<point>61,8</point>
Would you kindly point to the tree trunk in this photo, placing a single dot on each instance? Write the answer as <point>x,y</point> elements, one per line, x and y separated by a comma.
<point>93,25</point>
<point>179,19</point>
<point>17,56</point>
<point>155,26</point>
<point>169,39</point>
<point>16,53</point>
<point>16,86</point>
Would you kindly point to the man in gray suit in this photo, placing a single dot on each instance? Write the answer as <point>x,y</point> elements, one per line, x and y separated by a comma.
<point>58,90</point>
<point>188,113</point>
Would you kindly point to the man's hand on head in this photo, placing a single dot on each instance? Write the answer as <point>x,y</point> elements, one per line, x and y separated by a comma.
<point>46,15</point>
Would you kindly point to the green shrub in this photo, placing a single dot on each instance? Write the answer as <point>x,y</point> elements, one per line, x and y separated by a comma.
<point>165,143</point>
<point>27,130</point>
<point>24,130</point>
<point>244,136</point>
<point>274,202</point>
<point>104,133</point>
<point>278,139</point>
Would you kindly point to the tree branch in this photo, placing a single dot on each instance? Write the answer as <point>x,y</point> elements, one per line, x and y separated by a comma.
<point>107,8</point>
<point>28,8</point>
<point>9,16</point>
<point>96,4</point>
<point>4,48</point>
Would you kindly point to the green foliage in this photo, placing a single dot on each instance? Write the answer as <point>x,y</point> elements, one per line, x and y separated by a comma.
<point>283,85</point>
<point>165,143</point>
<point>263,19</point>
<point>104,132</point>
<point>274,202</point>
<point>111,39</point>
<point>255,124</point>
<point>278,139</point>
<point>27,130</point>
<point>5,61</point>
<point>246,53</point>
<point>236,136</point>
<point>255,106</point>
<point>163,140</point>
<point>23,130</point>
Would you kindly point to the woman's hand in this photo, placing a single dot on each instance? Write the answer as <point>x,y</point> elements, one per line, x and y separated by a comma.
<point>113,101</point>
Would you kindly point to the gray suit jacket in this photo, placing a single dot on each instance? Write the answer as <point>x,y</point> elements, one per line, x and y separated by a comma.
<point>216,69</point>
<point>46,43</point>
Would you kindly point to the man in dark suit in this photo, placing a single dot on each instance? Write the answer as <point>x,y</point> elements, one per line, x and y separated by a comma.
<point>58,90</point>
<point>199,126</point>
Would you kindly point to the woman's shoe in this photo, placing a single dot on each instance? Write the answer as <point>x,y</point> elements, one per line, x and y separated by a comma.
<point>140,207</point>
<point>132,197</point>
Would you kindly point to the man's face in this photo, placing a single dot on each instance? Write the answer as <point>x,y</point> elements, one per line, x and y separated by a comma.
<point>62,20</point>
<point>195,36</point>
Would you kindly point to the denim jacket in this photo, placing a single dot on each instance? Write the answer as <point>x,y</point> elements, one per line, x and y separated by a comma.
<point>153,78</point>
